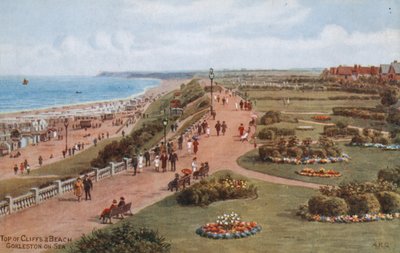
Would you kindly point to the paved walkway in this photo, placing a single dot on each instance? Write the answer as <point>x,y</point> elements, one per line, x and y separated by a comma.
<point>65,217</point>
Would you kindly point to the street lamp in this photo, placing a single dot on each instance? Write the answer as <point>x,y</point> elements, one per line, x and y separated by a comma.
<point>165,123</point>
<point>211,76</point>
<point>66,123</point>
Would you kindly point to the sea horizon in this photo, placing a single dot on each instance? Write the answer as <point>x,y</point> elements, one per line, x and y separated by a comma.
<point>47,92</point>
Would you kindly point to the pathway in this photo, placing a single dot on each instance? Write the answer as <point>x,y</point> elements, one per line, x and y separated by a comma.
<point>65,217</point>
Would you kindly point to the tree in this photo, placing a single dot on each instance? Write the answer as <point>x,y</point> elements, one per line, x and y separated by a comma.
<point>389,97</point>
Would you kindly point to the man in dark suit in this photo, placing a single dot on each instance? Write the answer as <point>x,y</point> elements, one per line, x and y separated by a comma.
<point>134,164</point>
<point>173,157</point>
<point>147,157</point>
<point>87,186</point>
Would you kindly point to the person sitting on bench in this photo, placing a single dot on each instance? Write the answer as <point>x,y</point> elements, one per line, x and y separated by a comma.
<point>106,211</point>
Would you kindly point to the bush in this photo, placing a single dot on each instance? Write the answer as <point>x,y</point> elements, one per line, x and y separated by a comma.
<point>390,201</point>
<point>327,206</point>
<point>207,192</point>
<point>270,117</point>
<point>390,175</point>
<point>124,238</point>
<point>266,134</point>
<point>363,204</point>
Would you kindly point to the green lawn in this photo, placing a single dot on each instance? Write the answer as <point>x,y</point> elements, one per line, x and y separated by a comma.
<point>363,166</point>
<point>282,230</point>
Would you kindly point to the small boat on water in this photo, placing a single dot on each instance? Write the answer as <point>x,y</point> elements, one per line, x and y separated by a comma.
<point>78,92</point>
<point>25,81</point>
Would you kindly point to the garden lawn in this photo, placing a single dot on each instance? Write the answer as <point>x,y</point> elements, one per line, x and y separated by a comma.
<point>363,166</point>
<point>274,210</point>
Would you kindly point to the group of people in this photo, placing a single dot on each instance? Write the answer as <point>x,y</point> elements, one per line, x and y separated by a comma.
<point>24,166</point>
<point>244,105</point>
<point>83,185</point>
<point>71,151</point>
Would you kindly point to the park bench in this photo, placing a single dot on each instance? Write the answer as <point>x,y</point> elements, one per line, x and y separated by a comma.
<point>180,183</point>
<point>119,212</point>
<point>202,172</point>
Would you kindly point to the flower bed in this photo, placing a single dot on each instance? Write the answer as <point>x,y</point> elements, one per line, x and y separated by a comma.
<point>228,226</point>
<point>318,173</point>
<point>307,160</point>
<point>321,117</point>
<point>352,218</point>
<point>377,145</point>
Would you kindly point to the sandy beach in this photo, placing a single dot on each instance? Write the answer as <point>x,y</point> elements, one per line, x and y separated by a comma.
<point>53,148</point>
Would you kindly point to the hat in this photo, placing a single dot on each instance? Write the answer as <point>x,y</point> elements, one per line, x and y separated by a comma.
<point>114,201</point>
<point>122,198</point>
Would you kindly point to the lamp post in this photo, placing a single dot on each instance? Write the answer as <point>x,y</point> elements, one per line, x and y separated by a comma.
<point>66,123</point>
<point>211,76</point>
<point>165,123</point>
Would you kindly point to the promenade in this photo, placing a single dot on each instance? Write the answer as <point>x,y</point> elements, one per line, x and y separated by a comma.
<point>66,218</point>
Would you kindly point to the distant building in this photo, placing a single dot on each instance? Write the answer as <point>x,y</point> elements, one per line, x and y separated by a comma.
<point>394,71</point>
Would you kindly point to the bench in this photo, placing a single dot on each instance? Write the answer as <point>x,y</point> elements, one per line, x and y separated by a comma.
<point>202,172</point>
<point>180,183</point>
<point>119,212</point>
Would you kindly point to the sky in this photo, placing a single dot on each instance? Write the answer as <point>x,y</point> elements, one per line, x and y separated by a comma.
<point>85,37</point>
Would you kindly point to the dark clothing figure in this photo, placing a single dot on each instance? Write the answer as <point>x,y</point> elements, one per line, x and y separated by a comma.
<point>121,202</point>
<point>134,164</point>
<point>204,125</point>
<point>214,114</point>
<point>87,186</point>
<point>63,153</point>
<point>199,129</point>
<point>164,159</point>
<point>224,127</point>
<point>147,157</point>
<point>218,127</point>
<point>40,160</point>
<point>173,158</point>
<point>180,142</point>
<point>15,169</point>
<point>195,146</point>
<point>241,104</point>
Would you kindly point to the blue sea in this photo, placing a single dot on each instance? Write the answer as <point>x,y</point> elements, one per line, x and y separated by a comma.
<point>55,91</point>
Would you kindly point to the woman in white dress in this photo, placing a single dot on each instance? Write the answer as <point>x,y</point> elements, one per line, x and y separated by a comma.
<point>189,146</point>
<point>194,165</point>
<point>140,162</point>
<point>157,163</point>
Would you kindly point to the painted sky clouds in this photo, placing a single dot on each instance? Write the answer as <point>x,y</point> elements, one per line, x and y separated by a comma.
<point>46,37</point>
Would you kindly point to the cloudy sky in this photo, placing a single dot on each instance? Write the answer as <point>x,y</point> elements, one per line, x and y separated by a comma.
<point>84,37</point>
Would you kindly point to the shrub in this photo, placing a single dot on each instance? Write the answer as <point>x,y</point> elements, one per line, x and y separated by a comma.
<point>124,238</point>
<point>270,117</point>
<point>363,204</point>
<point>205,192</point>
<point>266,134</point>
<point>390,201</point>
<point>390,175</point>
<point>327,206</point>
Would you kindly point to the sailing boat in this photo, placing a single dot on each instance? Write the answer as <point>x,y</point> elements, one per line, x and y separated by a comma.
<point>25,81</point>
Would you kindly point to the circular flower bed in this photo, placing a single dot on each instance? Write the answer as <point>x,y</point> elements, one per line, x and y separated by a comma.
<point>353,218</point>
<point>228,226</point>
<point>318,173</point>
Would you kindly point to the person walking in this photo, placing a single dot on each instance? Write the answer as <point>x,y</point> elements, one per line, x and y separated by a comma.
<point>22,168</point>
<point>224,127</point>
<point>189,146</point>
<point>147,157</point>
<point>25,163</point>
<point>195,146</point>
<point>134,164</point>
<point>213,114</point>
<point>140,162</point>
<point>208,131</point>
<point>157,163</point>
<point>78,188</point>
<point>241,129</point>
<point>164,160</point>
<point>218,127</point>
<point>40,160</point>
<point>199,129</point>
<point>194,164</point>
<point>28,168</point>
<point>241,104</point>
<point>87,186</point>
<point>180,142</point>
<point>236,106</point>
<point>204,125</point>
<point>64,153</point>
<point>15,169</point>
<point>173,158</point>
